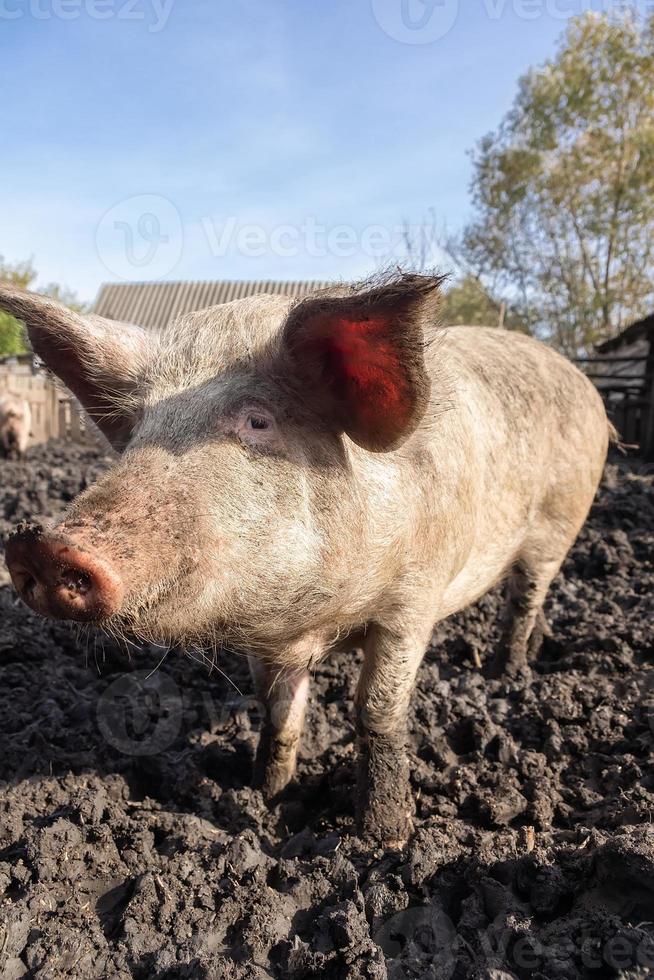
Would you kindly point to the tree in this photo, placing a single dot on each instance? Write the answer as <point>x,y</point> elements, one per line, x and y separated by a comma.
<point>467,300</point>
<point>12,334</point>
<point>564,190</point>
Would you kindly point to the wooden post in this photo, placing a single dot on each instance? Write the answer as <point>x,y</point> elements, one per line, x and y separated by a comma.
<point>75,421</point>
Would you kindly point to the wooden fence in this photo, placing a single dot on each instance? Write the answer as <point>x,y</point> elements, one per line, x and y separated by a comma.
<point>56,414</point>
<point>626,384</point>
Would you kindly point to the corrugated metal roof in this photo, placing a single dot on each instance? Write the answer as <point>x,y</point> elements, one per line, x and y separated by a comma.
<point>155,304</point>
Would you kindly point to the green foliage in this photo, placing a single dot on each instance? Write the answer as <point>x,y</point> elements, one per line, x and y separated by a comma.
<point>564,189</point>
<point>468,302</point>
<point>12,333</point>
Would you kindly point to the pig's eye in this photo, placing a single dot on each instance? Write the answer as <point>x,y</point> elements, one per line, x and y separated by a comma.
<point>257,428</point>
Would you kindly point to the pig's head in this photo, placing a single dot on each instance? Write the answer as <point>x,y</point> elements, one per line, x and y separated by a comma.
<point>236,506</point>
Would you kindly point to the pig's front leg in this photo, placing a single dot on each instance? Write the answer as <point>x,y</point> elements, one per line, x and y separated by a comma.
<point>283,694</point>
<point>384,802</point>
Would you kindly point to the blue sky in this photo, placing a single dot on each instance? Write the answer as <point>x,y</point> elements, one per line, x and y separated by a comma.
<point>259,139</point>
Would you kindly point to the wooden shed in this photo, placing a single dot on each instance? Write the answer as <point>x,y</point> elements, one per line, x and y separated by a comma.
<point>623,370</point>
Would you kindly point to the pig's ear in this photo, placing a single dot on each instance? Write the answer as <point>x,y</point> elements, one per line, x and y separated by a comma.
<point>360,358</point>
<point>97,359</point>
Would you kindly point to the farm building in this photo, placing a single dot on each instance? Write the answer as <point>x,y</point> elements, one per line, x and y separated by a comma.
<point>623,370</point>
<point>155,304</point>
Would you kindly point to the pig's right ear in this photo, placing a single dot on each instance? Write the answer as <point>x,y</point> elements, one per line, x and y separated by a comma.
<point>360,358</point>
<point>98,360</point>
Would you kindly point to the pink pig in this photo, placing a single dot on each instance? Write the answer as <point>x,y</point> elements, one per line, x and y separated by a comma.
<point>301,474</point>
<point>15,423</point>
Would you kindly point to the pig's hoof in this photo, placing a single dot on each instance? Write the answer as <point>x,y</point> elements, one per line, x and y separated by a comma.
<point>399,843</point>
<point>395,843</point>
<point>274,768</point>
<point>510,664</point>
<point>272,781</point>
<point>535,645</point>
<point>388,832</point>
<point>271,788</point>
<point>518,670</point>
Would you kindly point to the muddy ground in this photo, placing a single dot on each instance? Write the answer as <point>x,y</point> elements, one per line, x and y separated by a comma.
<point>132,847</point>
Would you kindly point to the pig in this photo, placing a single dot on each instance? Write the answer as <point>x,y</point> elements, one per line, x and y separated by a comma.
<point>297,475</point>
<point>15,423</point>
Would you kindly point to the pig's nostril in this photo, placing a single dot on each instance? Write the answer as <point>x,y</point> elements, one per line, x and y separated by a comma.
<point>58,579</point>
<point>77,581</point>
<point>25,582</point>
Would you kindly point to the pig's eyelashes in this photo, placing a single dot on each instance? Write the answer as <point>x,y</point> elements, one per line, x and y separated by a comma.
<point>258,422</point>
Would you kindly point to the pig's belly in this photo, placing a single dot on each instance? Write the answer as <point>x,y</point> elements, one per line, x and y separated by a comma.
<point>483,569</point>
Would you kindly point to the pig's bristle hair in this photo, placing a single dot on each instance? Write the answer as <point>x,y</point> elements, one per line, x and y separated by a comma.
<point>176,382</point>
<point>196,347</point>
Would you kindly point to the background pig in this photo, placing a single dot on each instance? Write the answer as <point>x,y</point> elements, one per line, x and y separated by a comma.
<point>295,475</point>
<point>15,423</point>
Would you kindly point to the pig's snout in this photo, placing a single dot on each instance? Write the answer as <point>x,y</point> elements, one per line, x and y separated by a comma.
<point>58,579</point>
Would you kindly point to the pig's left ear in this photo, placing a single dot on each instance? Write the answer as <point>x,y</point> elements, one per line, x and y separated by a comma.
<point>99,360</point>
<point>360,358</point>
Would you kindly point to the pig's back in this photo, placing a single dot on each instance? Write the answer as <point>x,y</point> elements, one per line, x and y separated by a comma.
<point>522,445</point>
<point>512,387</point>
